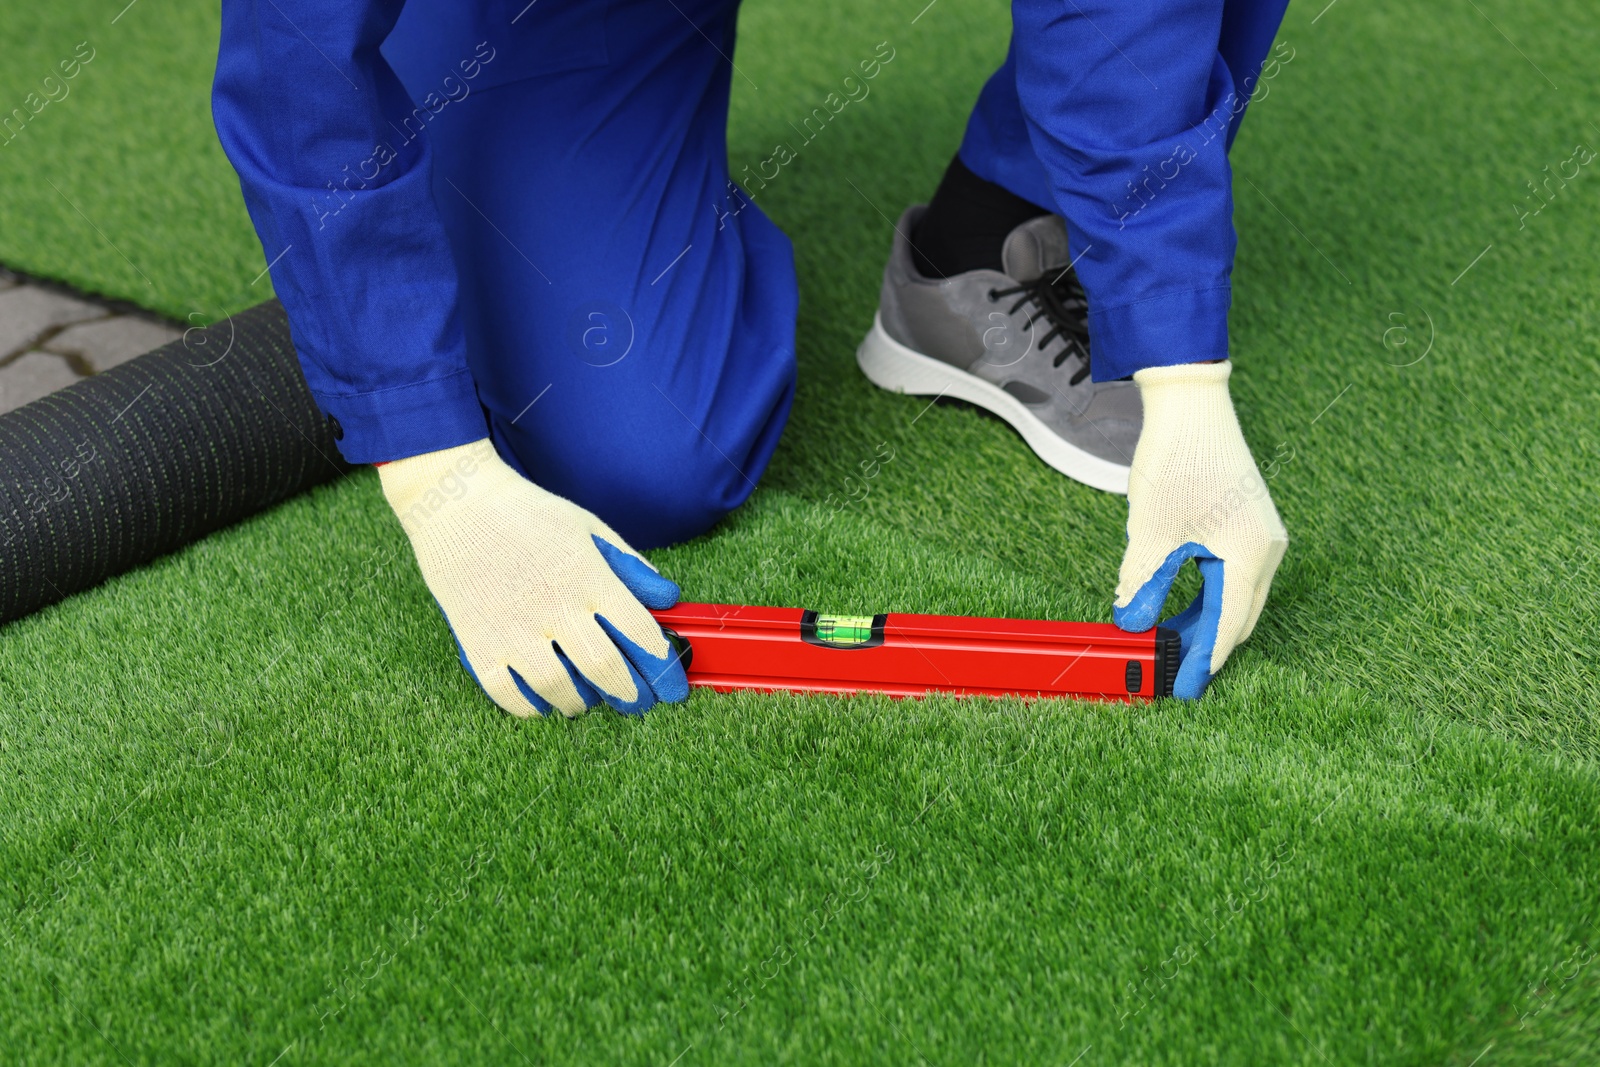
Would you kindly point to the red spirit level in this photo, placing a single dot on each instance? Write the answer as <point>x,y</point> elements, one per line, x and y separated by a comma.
<point>729,647</point>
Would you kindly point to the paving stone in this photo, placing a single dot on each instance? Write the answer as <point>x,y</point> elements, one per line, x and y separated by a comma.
<point>30,376</point>
<point>27,311</point>
<point>106,342</point>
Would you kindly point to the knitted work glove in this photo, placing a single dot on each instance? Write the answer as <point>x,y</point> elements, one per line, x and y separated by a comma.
<point>546,602</point>
<point>1194,492</point>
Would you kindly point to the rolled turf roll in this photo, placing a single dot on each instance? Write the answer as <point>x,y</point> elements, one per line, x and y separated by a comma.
<point>125,466</point>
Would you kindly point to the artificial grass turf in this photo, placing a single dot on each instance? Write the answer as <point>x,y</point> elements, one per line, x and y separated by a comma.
<point>256,809</point>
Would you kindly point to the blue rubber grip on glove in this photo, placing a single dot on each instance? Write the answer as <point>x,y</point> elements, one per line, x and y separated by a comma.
<point>1196,624</point>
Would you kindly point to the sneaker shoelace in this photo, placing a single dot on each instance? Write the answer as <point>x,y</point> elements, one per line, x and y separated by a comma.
<point>1062,303</point>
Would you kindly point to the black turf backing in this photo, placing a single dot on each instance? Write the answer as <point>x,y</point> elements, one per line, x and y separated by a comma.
<point>125,466</point>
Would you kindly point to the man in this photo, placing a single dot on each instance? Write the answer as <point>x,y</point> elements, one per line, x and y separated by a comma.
<point>503,241</point>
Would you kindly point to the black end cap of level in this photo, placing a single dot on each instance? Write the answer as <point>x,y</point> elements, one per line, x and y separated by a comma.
<point>680,647</point>
<point>1168,645</point>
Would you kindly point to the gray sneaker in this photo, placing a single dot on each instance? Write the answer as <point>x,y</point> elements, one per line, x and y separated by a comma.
<point>1014,343</point>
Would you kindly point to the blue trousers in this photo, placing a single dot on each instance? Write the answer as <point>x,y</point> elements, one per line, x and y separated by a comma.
<point>1120,116</point>
<point>632,338</point>
<point>515,218</point>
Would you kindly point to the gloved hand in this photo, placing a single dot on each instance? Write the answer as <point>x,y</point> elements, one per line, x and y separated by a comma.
<point>1194,492</point>
<point>546,602</point>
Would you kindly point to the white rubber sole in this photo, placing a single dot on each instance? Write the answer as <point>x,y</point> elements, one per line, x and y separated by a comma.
<point>890,365</point>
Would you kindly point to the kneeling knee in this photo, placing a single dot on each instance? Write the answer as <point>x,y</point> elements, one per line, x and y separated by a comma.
<point>670,493</point>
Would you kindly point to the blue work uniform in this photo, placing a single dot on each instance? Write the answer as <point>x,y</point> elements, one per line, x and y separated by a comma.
<point>512,218</point>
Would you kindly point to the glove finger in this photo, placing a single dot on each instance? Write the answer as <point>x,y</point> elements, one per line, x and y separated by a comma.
<point>505,693</point>
<point>1256,605</point>
<point>602,664</point>
<point>1241,602</point>
<point>586,692</point>
<point>641,579</point>
<point>1197,628</point>
<point>628,617</point>
<point>1262,589</point>
<point>663,674</point>
<point>547,677</point>
<point>644,699</point>
<point>1143,606</point>
<point>603,532</point>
